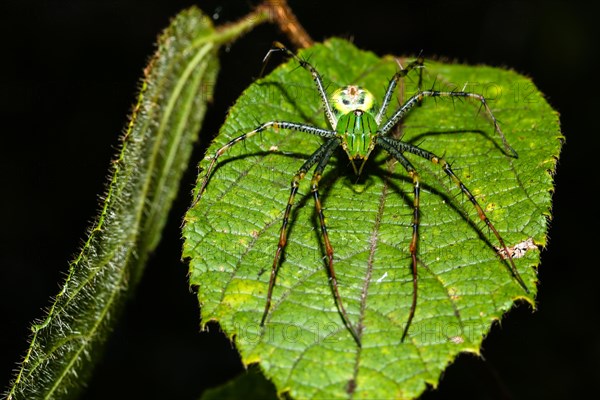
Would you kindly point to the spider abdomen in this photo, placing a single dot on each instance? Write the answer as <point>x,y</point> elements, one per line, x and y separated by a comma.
<point>357,130</point>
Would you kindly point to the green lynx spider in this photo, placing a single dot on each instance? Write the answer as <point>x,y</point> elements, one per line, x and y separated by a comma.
<point>358,127</point>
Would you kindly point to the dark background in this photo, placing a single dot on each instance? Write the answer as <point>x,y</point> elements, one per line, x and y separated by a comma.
<point>68,77</point>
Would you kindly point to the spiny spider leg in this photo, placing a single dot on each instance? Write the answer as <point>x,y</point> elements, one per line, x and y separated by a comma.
<point>314,183</point>
<point>293,126</point>
<point>321,158</point>
<point>418,63</point>
<point>315,75</point>
<point>412,172</point>
<point>406,147</point>
<point>417,98</point>
<point>308,164</point>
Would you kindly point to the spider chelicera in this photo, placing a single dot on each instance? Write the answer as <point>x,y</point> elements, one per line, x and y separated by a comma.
<point>358,127</point>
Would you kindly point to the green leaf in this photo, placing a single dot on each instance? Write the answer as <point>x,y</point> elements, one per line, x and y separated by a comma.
<point>249,385</point>
<point>464,286</point>
<point>154,153</point>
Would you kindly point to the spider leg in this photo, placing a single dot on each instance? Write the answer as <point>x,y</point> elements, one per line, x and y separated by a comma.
<point>388,142</point>
<point>397,154</point>
<point>418,63</point>
<point>293,126</point>
<point>418,98</point>
<point>316,77</point>
<point>317,156</point>
<point>321,158</point>
<point>314,183</point>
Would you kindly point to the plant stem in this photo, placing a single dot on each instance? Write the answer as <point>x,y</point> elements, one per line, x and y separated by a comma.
<point>282,15</point>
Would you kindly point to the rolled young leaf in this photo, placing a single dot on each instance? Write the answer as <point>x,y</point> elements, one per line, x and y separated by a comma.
<point>155,151</point>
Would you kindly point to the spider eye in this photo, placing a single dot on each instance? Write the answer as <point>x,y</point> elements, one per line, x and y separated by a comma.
<point>350,98</point>
<point>361,98</point>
